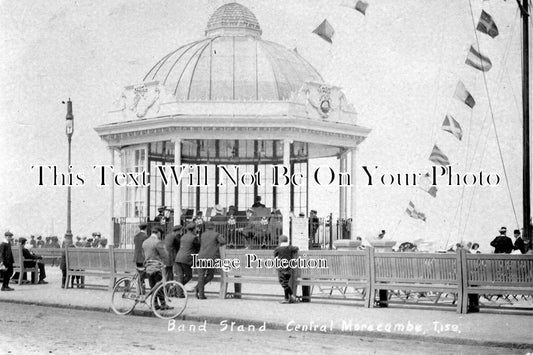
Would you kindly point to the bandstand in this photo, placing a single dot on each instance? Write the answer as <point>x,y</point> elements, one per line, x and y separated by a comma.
<point>232,100</point>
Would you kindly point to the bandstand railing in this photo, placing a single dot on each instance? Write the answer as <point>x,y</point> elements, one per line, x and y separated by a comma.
<point>255,234</point>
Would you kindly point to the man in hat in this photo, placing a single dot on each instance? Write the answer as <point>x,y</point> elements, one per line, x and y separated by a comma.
<point>502,243</point>
<point>40,243</point>
<point>519,242</point>
<point>189,244</point>
<point>218,217</point>
<point>33,242</point>
<point>138,240</point>
<point>210,243</point>
<point>78,242</point>
<point>96,240</point>
<point>172,243</point>
<point>161,216</point>
<point>155,251</point>
<point>6,260</point>
<point>31,260</point>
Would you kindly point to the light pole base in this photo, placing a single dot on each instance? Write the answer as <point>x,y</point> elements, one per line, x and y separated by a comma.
<point>68,238</point>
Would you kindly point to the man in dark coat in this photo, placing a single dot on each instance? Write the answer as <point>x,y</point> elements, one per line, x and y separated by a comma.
<point>26,254</point>
<point>502,243</point>
<point>172,243</point>
<point>6,261</point>
<point>189,244</point>
<point>210,243</point>
<point>138,239</point>
<point>519,242</point>
<point>257,203</point>
<point>155,251</point>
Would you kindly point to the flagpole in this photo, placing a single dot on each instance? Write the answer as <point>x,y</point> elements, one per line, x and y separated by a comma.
<point>526,193</point>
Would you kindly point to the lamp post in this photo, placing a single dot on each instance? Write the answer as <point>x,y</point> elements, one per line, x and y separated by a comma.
<point>70,132</point>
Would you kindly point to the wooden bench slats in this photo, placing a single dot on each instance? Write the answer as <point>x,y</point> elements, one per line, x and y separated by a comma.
<point>460,273</point>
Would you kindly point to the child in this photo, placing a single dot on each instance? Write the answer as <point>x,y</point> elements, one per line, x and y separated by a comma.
<point>285,252</point>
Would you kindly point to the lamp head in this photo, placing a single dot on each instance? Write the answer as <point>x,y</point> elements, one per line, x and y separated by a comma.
<point>70,119</point>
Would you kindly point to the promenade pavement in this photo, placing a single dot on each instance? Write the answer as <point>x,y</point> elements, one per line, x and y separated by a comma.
<point>507,329</point>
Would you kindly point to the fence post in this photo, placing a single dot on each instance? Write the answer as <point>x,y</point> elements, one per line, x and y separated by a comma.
<point>369,302</point>
<point>112,266</point>
<point>223,277</point>
<point>462,296</point>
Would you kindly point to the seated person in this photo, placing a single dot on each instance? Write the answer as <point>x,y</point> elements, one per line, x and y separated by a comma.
<point>26,254</point>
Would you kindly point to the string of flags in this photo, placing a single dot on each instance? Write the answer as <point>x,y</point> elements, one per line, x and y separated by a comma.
<point>326,31</point>
<point>476,60</point>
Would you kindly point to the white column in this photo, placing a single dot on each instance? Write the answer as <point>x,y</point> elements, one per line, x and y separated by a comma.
<point>111,238</point>
<point>342,196</point>
<point>177,200</point>
<point>286,195</point>
<point>353,195</point>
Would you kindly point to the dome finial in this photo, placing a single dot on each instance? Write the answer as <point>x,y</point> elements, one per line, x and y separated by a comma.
<point>233,19</point>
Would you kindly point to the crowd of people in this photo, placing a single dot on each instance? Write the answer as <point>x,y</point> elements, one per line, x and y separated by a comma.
<point>175,250</point>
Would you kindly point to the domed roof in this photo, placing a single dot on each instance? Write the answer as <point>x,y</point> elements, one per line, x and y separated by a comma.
<point>233,63</point>
<point>233,16</point>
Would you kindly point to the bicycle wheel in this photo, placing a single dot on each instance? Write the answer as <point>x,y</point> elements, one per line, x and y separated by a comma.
<point>124,296</point>
<point>169,300</point>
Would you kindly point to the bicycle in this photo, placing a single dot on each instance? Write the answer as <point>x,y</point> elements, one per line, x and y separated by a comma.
<point>168,298</point>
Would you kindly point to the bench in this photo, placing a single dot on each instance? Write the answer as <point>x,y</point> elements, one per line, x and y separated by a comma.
<point>415,272</point>
<point>241,275</point>
<point>18,265</point>
<point>88,262</point>
<point>122,261</point>
<point>50,256</point>
<point>344,269</point>
<point>496,274</point>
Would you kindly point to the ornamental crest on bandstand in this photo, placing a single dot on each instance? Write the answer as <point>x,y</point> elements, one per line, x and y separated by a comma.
<point>140,99</point>
<point>322,100</point>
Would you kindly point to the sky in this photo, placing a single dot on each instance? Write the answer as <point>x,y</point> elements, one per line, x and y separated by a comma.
<point>398,66</point>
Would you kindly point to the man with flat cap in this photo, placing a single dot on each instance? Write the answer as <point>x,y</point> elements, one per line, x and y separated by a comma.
<point>6,260</point>
<point>172,243</point>
<point>189,244</point>
<point>210,242</point>
<point>502,244</point>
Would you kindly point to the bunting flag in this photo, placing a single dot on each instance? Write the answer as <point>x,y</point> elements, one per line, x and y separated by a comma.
<point>487,25</point>
<point>325,31</point>
<point>358,5</point>
<point>463,95</point>
<point>452,126</point>
<point>412,212</point>
<point>361,6</point>
<point>425,184</point>
<point>438,157</point>
<point>478,60</point>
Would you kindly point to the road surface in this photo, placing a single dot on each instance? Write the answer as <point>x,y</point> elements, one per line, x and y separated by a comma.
<point>28,329</point>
